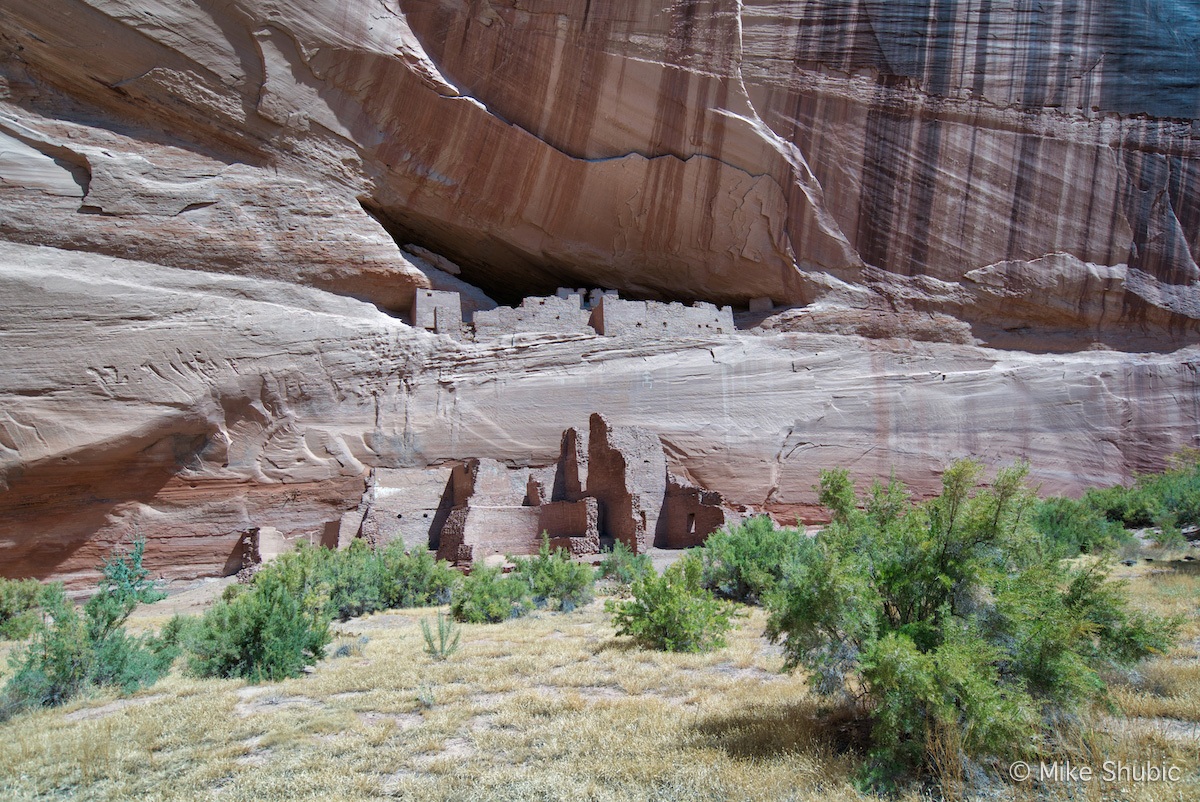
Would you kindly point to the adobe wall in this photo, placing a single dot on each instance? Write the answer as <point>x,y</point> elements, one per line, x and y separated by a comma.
<point>486,482</point>
<point>473,533</point>
<point>572,525</point>
<point>571,472</point>
<point>616,317</point>
<point>407,504</point>
<point>438,311</point>
<point>555,314</point>
<point>689,515</point>
<point>627,474</point>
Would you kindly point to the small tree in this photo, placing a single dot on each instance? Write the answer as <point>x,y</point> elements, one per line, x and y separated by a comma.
<point>70,652</point>
<point>951,621</point>
<point>673,612</point>
<point>554,578</point>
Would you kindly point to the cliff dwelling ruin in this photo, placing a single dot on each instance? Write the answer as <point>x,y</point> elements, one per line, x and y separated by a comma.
<point>575,311</point>
<point>609,483</point>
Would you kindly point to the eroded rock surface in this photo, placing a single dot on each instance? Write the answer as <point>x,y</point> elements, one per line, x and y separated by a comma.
<point>190,407</point>
<point>218,216</point>
<point>703,150</point>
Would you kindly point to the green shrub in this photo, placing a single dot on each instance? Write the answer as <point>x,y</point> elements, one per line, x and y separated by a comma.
<point>1179,488</point>
<point>19,603</point>
<point>623,566</point>
<point>57,664</point>
<point>70,652</point>
<point>264,634</point>
<point>446,643</point>
<point>360,580</point>
<point>554,578</point>
<point>1168,500</point>
<point>673,612</point>
<point>486,596</point>
<point>416,579</point>
<point>953,619</point>
<point>1132,507</point>
<point>746,561</point>
<point>1077,527</point>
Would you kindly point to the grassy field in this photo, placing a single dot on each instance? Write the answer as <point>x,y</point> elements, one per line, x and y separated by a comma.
<point>551,707</point>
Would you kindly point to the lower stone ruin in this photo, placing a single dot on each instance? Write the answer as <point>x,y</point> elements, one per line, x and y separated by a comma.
<point>610,483</point>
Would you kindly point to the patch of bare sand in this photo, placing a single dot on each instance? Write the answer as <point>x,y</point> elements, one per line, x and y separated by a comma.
<point>89,713</point>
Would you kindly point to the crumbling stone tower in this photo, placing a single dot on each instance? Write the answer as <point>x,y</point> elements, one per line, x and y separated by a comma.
<point>627,475</point>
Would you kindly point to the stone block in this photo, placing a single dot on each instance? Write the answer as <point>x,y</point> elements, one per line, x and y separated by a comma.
<point>438,311</point>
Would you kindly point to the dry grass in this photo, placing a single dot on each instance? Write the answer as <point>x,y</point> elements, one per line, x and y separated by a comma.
<point>1167,687</point>
<point>549,707</point>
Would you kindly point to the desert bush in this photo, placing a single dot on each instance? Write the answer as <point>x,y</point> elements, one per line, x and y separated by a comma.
<point>1132,507</point>
<point>416,579</point>
<point>1179,488</point>
<point>20,600</point>
<point>745,561</point>
<point>360,580</point>
<point>673,612</point>
<point>952,621</point>
<point>267,633</point>
<point>70,651</point>
<point>624,567</point>
<point>1077,527</point>
<point>486,596</point>
<point>1168,500</point>
<point>554,578</point>
<point>445,644</point>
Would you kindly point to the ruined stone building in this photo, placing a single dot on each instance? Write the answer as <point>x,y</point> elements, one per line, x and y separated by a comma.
<point>615,317</point>
<point>564,314</point>
<point>610,483</point>
<point>573,311</point>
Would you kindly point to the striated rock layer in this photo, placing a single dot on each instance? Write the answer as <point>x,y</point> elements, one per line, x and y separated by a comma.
<point>190,407</point>
<point>215,217</point>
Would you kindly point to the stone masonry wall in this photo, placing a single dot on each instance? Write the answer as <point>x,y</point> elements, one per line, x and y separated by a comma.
<point>572,525</point>
<point>438,311</point>
<point>615,317</point>
<point>689,515</point>
<point>555,314</point>
<point>627,475</point>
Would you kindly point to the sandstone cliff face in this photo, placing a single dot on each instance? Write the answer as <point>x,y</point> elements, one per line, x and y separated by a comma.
<point>204,203</point>
<point>190,407</point>
<point>707,150</point>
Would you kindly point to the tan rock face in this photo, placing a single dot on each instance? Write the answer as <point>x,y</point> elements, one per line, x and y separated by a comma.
<point>706,150</point>
<point>190,407</point>
<point>197,198</point>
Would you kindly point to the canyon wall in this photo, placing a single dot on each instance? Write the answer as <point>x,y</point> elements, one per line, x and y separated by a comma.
<point>978,222</point>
